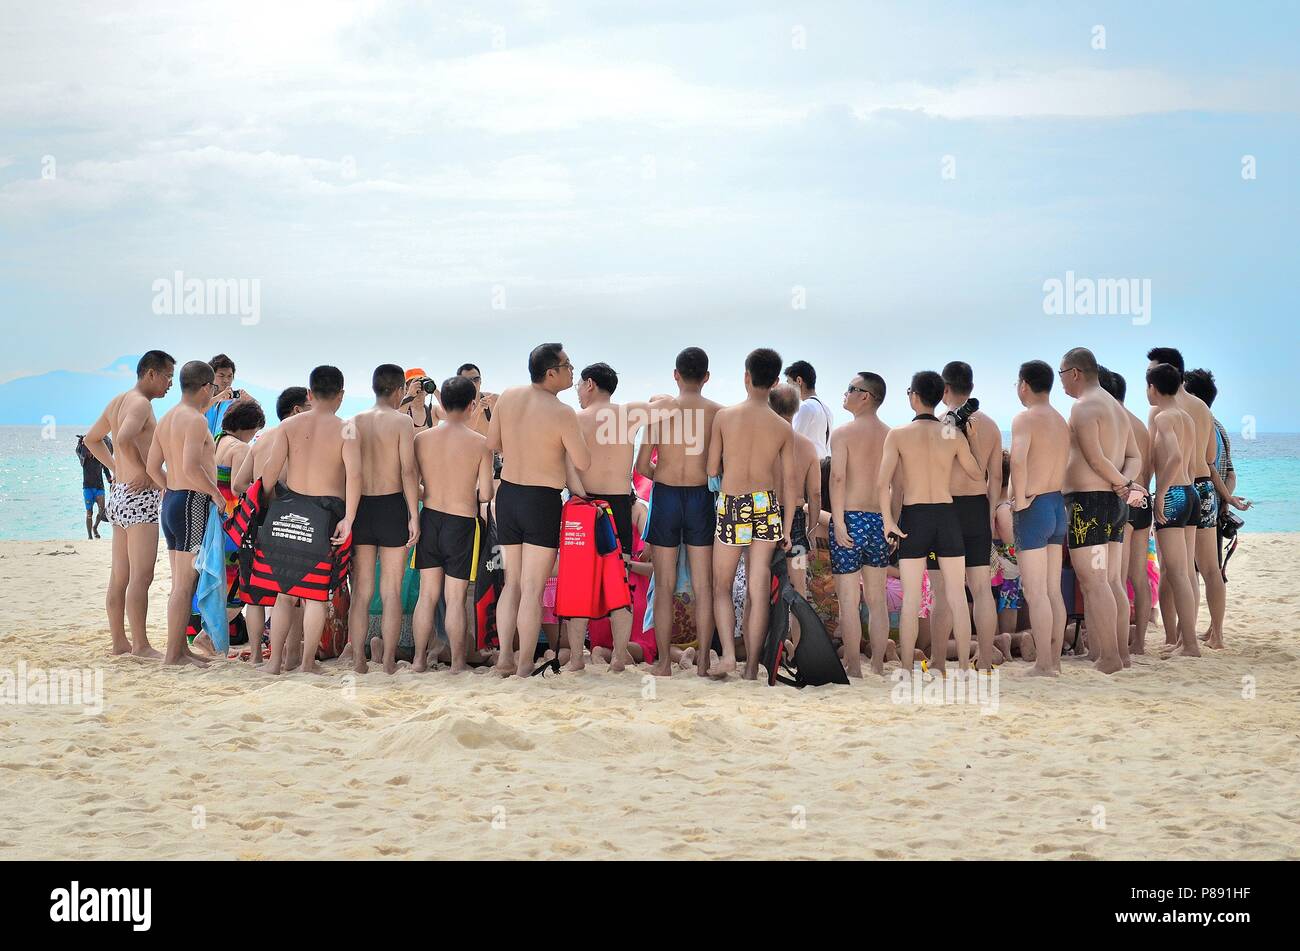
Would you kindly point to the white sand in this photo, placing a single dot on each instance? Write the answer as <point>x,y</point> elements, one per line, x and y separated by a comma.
<point>228,763</point>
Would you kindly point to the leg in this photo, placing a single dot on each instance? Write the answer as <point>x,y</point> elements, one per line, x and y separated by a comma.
<point>575,636</point>
<point>940,614</point>
<point>431,580</point>
<point>313,624</point>
<point>760,607</point>
<point>115,600</point>
<point>986,613</point>
<point>363,591</point>
<point>392,566</point>
<point>725,560</point>
<point>293,643</point>
<point>848,592</point>
<point>1216,592</point>
<point>255,618</point>
<point>664,559</point>
<point>535,567</point>
<point>142,555</point>
<point>1034,581</point>
<point>878,615</point>
<point>184,578</point>
<point>281,618</point>
<point>620,623</point>
<point>911,571</point>
<point>508,608</point>
<point>1091,568</point>
<point>699,559</point>
<point>457,623</point>
<point>1137,576</point>
<point>1189,534</point>
<point>953,571</point>
<point>1115,572</point>
<point>1172,546</point>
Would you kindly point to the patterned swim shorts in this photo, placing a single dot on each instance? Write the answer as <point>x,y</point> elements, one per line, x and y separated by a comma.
<point>752,517</point>
<point>127,508</point>
<point>865,546</point>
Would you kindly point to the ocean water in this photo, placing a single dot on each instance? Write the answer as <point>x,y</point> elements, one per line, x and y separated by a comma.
<point>40,483</point>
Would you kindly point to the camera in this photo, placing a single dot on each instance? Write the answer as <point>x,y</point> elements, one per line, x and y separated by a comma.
<point>960,416</point>
<point>428,385</point>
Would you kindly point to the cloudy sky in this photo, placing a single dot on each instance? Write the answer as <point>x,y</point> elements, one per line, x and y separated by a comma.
<point>881,186</point>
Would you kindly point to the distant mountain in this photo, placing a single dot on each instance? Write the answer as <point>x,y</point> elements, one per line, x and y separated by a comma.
<point>76,398</point>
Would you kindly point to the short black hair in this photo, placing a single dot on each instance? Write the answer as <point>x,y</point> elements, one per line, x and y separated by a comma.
<point>289,400</point>
<point>1037,375</point>
<point>692,364</point>
<point>1200,383</point>
<point>603,375</point>
<point>803,370</point>
<point>467,366</point>
<point>1112,383</point>
<point>243,415</point>
<point>1081,359</point>
<point>764,366</point>
<point>957,376</point>
<point>928,387</point>
<point>158,360</point>
<point>545,357</point>
<point>387,379</point>
<point>1166,378</point>
<point>457,392</point>
<point>875,384</point>
<point>326,381</point>
<point>222,362</point>
<point>195,375</point>
<point>1167,355</point>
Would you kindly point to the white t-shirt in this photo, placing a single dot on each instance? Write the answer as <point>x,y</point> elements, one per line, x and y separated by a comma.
<point>814,420</point>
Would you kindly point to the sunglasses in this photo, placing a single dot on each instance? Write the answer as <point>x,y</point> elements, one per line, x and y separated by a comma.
<point>563,366</point>
<point>857,389</point>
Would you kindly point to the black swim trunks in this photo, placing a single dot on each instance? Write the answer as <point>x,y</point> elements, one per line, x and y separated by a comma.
<point>450,542</point>
<point>1139,516</point>
<point>184,519</point>
<point>1207,512</point>
<point>680,514</point>
<point>528,515</point>
<point>799,543</point>
<point>1094,518</point>
<point>931,528</point>
<point>976,532</point>
<point>621,506</point>
<point>381,521</point>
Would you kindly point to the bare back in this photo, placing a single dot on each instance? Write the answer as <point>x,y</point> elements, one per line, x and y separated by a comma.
<point>314,444</point>
<point>860,444</point>
<point>531,425</point>
<point>1098,424</point>
<point>382,432</point>
<point>806,461</point>
<point>129,418</point>
<point>610,431</point>
<point>989,440</point>
<point>1202,447</point>
<point>1173,437</point>
<point>681,428</point>
<point>1143,440</point>
<point>187,450</point>
<point>455,467</point>
<point>927,455</point>
<point>750,441</point>
<point>1040,453</point>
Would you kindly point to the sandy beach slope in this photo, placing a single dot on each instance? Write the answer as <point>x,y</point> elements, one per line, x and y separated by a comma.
<point>1173,759</point>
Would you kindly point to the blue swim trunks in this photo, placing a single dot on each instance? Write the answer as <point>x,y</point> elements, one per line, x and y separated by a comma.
<point>866,544</point>
<point>89,496</point>
<point>1043,523</point>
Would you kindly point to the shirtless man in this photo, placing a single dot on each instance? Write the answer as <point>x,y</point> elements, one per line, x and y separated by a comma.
<point>1173,447</point>
<point>456,468</point>
<point>1040,452</point>
<point>291,401</point>
<point>925,449</point>
<point>1209,487</point>
<point>388,521</point>
<point>859,551</point>
<point>183,446</point>
<point>974,500</point>
<point>1135,549</point>
<point>674,455</point>
<point>309,526</point>
<point>485,403</point>
<point>1100,478</point>
<point>542,445</point>
<point>784,400</point>
<point>133,499</point>
<point>748,444</point>
<point>610,431</point>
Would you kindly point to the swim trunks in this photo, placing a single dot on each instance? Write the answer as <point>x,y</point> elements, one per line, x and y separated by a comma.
<point>1043,523</point>
<point>865,546</point>
<point>90,496</point>
<point>528,515</point>
<point>931,528</point>
<point>381,521</point>
<point>127,508</point>
<point>449,542</point>
<point>1139,516</point>
<point>184,519</point>
<point>752,517</point>
<point>295,556</point>
<point>976,528</point>
<point>680,514</point>
<point>1180,507</point>
<point>1093,518</point>
<point>621,506</point>
<point>1208,502</point>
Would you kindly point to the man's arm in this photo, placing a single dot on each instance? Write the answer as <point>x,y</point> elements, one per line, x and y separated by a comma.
<point>95,445</point>
<point>410,478</point>
<point>242,478</point>
<point>714,467</point>
<point>839,479</point>
<point>790,486</point>
<point>575,444</point>
<point>885,485</point>
<point>129,426</point>
<point>1132,467</point>
<point>966,459</point>
<point>155,477</point>
<point>352,487</point>
<point>1020,443</point>
<point>494,433</point>
<point>192,461</point>
<point>1162,442</point>
<point>644,466</point>
<point>812,491</point>
<point>1087,434</point>
<point>993,470</point>
<point>485,487</point>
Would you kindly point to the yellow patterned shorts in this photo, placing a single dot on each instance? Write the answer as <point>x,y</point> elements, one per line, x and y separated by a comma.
<point>753,517</point>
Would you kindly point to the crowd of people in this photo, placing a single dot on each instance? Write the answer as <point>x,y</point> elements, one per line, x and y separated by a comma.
<point>964,540</point>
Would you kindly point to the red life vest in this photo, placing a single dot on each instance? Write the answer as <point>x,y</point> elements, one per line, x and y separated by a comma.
<point>590,584</point>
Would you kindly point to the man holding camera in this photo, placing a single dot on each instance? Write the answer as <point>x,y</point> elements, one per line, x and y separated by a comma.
<point>974,500</point>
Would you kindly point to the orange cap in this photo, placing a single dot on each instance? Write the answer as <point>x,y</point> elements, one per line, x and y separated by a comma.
<point>415,373</point>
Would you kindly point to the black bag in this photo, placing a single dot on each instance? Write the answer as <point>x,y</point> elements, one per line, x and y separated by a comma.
<point>815,661</point>
<point>1229,524</point>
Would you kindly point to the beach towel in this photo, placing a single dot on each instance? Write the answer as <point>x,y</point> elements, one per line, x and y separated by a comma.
<point>210,592</point>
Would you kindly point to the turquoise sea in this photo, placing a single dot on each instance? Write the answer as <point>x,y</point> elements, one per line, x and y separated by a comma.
<point>40,483</point>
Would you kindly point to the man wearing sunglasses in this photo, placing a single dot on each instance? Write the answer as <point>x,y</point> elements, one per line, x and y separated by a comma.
<point>543,450</point>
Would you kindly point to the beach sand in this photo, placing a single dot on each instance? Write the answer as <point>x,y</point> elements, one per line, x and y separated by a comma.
<point>1173,759</point>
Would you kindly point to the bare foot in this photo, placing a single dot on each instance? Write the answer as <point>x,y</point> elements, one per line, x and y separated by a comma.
<point>662,667</point>
<point>1108,665</point>
<point>310,667</point>
<point>420,664</point>
<point>120,647</point>
<point>720,667</point>
<point>185,658</point>
<point>146,652</point>
<point>1036,671</point>
<point>505,665</point>
<point>575,664</point>
<point>853,665</point>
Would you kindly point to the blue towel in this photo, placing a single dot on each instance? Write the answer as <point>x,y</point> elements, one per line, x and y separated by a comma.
<point>210,592</point>
<point>214,415</point>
